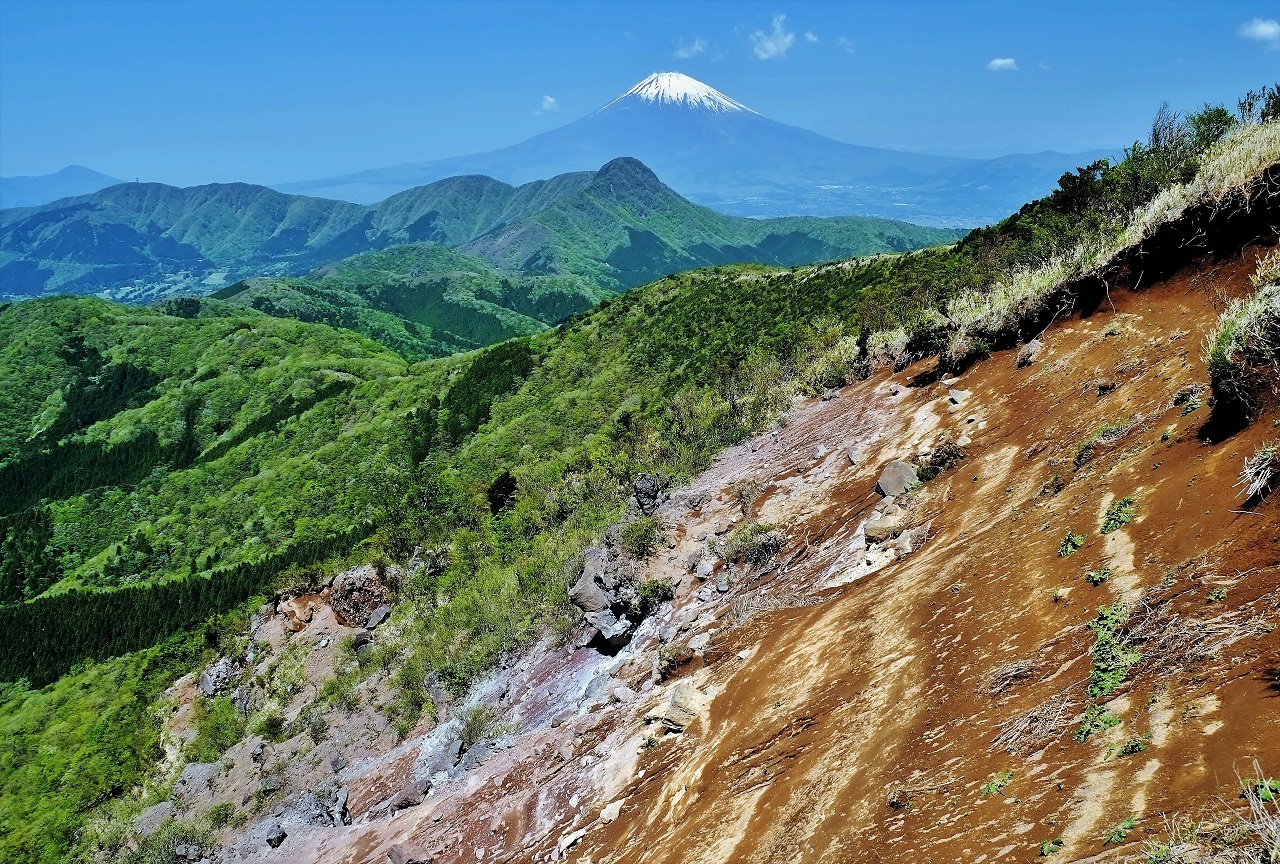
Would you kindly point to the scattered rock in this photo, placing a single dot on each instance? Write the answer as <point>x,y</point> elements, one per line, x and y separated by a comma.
<point>403,853</point>
<point>611,811</point>
<point>219,677</point>
<point>410,796</point>
<point>276,835</point>
<point>647,491</point>
<point>377,616</point>
<point>887,525</point>
<point>1028,353</point>
<point>681,707</point>
<point>896,478</point>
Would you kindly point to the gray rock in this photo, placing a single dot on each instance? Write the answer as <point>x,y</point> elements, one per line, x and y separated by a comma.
<point>705,568</point>
<point>1028,353</point>
<point>357,592</point>
<point>337,762</point>
<point>410,796</point>
<point>377,616</point>
<point>694,559</point>
<point>611,629</point>
<point>403,853</point>
<point>722,582</point>
<point>276,835</point>
<point>587,595</point>
<point>341,815</point>
<point>647,490</point>
<point>149,821</point>
<point>194,778</point>
<point>886,525</point>
<point>819,451</point>
<point>958,397</point>
<point>699,643</point>
<point>896,478</point>
<point>477,754</point>
<point>219,677</point>
<point>622,693</point>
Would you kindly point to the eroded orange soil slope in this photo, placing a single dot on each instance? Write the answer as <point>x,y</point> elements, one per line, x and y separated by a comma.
<point>913,699</point>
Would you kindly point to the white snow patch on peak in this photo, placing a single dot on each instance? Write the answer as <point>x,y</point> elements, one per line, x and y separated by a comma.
<point>675,88</point>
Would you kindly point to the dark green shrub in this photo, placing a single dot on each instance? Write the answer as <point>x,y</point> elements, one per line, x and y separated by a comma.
<point>641,536</point>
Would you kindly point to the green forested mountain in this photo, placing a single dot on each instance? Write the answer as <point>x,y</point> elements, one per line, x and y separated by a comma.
<point>420,300</point>
<point>618,227</point>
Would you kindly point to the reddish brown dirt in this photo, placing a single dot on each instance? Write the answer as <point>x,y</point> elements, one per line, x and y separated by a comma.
<point>827,713</point>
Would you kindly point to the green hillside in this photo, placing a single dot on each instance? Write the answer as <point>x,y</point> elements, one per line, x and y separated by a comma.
<point>172,468</point>
<point>421,300</point>
<point>617,227</point>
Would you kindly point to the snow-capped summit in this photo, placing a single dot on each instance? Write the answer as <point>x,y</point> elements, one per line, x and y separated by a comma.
<point>675,88</point>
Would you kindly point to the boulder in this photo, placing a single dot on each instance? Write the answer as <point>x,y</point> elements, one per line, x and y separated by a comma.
<point>219,677</point>
<point>341,815</point>
<point>587,595</point>
<point>403,853</point>
<point>276,835</point>
<point>818,452</point>
<point>896,478</point>
<point>1028,353</point>
<point>410,796</point>
<point>149,821</point>
<point>356,593</point>
<point>377,616</point>
<point>647,491</point>
<point>611,811</point>
<point>886,525</point>
<point>611,629</point>
<point>682,706</point>
<point>958,397</point>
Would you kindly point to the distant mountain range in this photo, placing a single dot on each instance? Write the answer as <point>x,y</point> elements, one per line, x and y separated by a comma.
<point>613,228</point>
<point>718,152</point>
<point>34,191</point>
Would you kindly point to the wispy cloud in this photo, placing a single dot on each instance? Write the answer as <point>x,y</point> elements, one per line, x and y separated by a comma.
<point>685,50</point>
<point>810,36</point>
<point>548,105</point>
<point>1003,64</point>
<point>845,45</point>
<point>1264,30</point>
<point>775,43</point>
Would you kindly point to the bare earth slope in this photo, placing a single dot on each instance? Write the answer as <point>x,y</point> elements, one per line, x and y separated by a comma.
<point>850,700</point>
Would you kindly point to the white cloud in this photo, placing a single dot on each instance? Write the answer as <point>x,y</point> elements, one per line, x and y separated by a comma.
<point>1003,64</point>
<point>845,45</point>
<point>810,36</point>
<point>685,50</point>
<point>1264,30</point>
<point>548,105</point>
<point>775,43</point>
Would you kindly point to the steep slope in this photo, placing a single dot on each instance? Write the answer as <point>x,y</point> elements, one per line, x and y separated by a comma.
<point>938,676</point>
<point>143,240</point>
<point>718,152</point>
<point>43,188</point>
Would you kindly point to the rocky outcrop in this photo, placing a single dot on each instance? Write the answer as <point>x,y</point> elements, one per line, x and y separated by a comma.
<point>648,491</point>
<point>682,705</point>
<point>219,677</point>
<point>357,593</point>
<point>897,478</point>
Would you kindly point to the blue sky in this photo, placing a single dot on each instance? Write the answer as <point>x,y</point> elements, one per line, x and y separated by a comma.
<point>192,92</point>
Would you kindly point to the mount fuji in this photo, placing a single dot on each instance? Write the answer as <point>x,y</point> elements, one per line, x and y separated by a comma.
<point>718,152</point>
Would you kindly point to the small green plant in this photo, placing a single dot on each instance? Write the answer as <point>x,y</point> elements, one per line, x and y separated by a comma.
<point>995,786</point>
<point>1053,485</point>
<point>1070,544</point>
<point>641,536</point>
<point>1136,744</point>
<point>271,725</point>
<point>1217,595</point>
<point>651,594</point>
<point>650,741</point>
<point>1097,577</point>
<point>1119,833</point>
<point>1119,514</point>
<point>1095,719</point>
<point>220,814</point>
<point>754,542</point>
<point>1262,789</point>
<point>218,726</point>
<point>1195,403</point>
<point>1112,655</point>
<point>1051,847</point>
<point>479,722</point>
